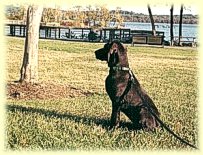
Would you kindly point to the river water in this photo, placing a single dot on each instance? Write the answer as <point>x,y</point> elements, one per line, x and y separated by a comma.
<point>188,30</point>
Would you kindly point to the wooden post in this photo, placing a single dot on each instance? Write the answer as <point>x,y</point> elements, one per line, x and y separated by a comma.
<point>20,30</point>
<point>69,33</point>
<point>82,33</point>
<point>110,35</point>
<point>105,34</point>
<point>49,32</point>
<point>46,32</point>
<point>11,30</point>
<point>55,32</point>
<point>24,31</point>
<point>14,30</point>
<point>171,27</point>
<point>180,24</point>
<point>59,33</point>
<point>100,34</point>
<point>120,35</point>
<point>29,69</point>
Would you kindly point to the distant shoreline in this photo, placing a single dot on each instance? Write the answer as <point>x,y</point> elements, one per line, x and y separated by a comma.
<point>195,23</point>
<point>134,17</point>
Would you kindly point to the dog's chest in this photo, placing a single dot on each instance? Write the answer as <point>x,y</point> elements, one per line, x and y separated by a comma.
<point>116,83</point>
<point>110,84</point>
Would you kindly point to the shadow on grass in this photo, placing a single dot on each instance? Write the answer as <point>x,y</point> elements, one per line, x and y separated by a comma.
<point>104,123</point>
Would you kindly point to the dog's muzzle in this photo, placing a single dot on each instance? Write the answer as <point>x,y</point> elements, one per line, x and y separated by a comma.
<point>101,54</point>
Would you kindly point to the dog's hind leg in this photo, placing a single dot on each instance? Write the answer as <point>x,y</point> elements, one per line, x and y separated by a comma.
<point>133,113</point>
<point>147,120</point>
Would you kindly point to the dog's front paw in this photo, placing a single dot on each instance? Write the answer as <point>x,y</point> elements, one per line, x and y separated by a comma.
<point>113,127</point>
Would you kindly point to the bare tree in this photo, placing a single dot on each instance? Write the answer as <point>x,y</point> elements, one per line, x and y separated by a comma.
<point>180,24</point>
<point>15,12</point>
<point>29,69</point>
<point>116,17</point>
<point>51,15</point>
<point>152,20</point>
<point>105,16</point>
<point>171,27</point>
<point>77,12</point>
<point>89,14</point>
<point>95,15</point>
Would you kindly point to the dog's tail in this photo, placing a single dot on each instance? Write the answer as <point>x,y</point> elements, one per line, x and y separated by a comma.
<point>168,129</point>
<point>148,103</point>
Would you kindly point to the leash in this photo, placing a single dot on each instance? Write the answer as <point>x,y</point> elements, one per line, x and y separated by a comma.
<point>145,105</point>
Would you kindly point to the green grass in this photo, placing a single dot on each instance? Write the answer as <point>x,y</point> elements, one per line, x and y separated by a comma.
<point>170,76</point>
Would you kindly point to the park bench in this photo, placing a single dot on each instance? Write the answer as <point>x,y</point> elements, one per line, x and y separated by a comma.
<point>186,41</point>
<point>146,37</point>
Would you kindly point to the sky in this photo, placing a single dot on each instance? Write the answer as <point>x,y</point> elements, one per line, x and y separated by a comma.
<point>157,8</point>
<point>163,10</point>
<point>160,7</point>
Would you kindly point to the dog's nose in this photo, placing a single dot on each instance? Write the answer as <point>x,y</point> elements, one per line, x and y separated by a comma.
<point>96,54</point>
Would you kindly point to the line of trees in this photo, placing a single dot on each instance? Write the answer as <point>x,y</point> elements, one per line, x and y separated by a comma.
<point>97,16</point>
<point>94,16</point>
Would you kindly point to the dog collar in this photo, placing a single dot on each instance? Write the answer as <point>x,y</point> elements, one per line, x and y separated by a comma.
<point>118,68</point>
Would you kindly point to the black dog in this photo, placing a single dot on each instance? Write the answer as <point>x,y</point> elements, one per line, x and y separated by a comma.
<point>126,93</point>
<point>124,89</point>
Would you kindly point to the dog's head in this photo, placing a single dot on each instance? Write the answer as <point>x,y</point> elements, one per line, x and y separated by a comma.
<point>114,53</point>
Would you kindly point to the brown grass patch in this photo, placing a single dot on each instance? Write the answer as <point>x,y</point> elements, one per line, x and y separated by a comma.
<point>43,91</point>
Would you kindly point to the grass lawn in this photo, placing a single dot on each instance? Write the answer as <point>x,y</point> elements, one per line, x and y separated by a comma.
<point>170,76</point>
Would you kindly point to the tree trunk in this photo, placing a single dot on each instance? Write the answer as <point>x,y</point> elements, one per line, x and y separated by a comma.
<point>171,27</point>
<point>180,24</point>
<point>29,69</point>
<point>152,20</point>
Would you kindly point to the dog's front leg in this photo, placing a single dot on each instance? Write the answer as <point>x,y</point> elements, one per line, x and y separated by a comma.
<point>115,116</point>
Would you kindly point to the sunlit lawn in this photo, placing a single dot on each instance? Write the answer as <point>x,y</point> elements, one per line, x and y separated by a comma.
<point>170,76</point>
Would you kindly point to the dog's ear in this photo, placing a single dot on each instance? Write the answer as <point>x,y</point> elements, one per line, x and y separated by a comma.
<point>114,48</point>
<point>125,48</point>
<point>107,46</point>
<point>113,57</point>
